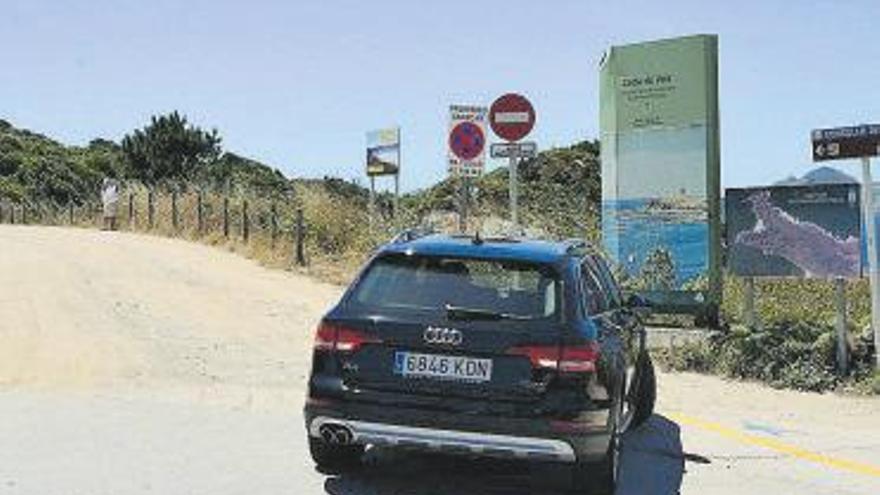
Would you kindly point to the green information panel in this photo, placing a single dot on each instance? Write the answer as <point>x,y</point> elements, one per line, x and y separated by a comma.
<point>660,170</point>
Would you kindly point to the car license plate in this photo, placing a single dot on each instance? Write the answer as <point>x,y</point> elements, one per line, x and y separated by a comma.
<point>412,364</point>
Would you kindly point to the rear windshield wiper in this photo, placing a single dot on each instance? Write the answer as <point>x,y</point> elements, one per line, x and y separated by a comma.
<point>465,313</point>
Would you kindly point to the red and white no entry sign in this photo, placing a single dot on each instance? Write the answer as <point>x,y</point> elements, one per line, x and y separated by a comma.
<point>512,117</point>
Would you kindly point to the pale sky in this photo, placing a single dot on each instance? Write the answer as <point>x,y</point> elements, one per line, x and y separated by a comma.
<point>297,84</point>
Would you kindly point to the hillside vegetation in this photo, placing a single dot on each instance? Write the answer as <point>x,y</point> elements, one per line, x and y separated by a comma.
<point>559,189</point>
<point>169,152</point>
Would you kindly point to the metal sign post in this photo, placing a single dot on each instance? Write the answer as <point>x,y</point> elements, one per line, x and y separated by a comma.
<point>861,141</point>
<point>397,179</point>
<point>372,202</point>
<point>512,117</point>
<point>464,205</point>
<point>840,325</point>
<point>750,315</point>
<point>396,196</point>
<point>873,273</point>
<point>514,217</point>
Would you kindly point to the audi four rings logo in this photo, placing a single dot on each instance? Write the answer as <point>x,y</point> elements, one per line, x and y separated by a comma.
<point>440,335</point>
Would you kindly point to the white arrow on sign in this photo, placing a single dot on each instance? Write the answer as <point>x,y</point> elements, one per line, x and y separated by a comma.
<point>833,149</point>
<point>827,149</point>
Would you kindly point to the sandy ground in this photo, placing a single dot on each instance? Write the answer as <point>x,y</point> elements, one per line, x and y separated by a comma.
<point>133,364</point>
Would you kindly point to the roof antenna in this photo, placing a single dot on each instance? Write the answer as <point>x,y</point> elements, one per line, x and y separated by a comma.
<point>477,240</point>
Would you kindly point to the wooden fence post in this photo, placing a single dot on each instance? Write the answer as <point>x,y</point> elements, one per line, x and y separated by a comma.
<point>151,209</point>
<point>70,212</point>
<point>174,220</point>
<point>1,212</point>
<point>24,212</point>
<point>274,220</point>
<point>131,211</point>
<point>300,238</point>
<point>226,216</point>
<point>200,213</point>
<point>245,223</point>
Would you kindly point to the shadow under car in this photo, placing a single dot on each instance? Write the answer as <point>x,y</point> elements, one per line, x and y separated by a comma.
<point>651,461</point>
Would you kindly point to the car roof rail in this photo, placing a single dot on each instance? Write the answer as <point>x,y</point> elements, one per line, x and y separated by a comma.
<point>576,246</point>
<point>412,234</point>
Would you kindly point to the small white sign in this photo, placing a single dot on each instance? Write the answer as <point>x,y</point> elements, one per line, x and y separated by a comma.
<point>526,149</point>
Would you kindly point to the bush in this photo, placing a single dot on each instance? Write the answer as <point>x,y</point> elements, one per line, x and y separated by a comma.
<point>811,301</point>
<point>793,355</point>
<point>695,356</point>
<point>869,384</point>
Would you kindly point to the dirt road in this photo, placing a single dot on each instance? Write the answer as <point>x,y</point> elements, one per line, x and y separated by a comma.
<point>131,364</point>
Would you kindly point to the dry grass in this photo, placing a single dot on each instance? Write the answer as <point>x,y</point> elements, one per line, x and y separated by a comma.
<point>337,237</point>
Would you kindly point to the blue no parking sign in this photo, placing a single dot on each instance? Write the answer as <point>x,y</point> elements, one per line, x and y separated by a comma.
<point>467,141</point>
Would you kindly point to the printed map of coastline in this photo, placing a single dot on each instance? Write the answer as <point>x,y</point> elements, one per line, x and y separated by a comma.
<point>806,245</point>
<point>676,209</point>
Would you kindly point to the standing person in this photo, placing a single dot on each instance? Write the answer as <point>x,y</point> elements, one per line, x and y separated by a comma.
<point>110,200</point>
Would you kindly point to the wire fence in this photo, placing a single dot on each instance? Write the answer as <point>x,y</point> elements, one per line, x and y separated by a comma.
<point>331,233</point>
<point>271,224</point>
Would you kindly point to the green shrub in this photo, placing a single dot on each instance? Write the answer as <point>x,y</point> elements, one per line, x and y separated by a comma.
<point>868,384</point>
<point>794,355</point>
<point>811,301</point>
<point>696,356</point>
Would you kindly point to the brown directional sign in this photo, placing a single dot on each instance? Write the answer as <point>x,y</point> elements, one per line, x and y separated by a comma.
<point>846,142</point>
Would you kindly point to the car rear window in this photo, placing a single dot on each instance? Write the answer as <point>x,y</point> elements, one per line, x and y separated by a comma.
<point>521,289</point>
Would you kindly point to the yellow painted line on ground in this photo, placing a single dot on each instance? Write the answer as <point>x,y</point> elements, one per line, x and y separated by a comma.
<point>776,445</point>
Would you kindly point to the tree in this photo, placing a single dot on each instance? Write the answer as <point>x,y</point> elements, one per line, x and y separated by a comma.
<point>658,270</point>
<point>235,171</point>
<point>169,149</point>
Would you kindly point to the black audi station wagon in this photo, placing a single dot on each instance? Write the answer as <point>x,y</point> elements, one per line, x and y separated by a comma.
<point>500,347</point>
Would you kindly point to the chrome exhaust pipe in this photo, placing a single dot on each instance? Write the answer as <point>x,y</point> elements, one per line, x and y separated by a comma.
<point>336,434</point>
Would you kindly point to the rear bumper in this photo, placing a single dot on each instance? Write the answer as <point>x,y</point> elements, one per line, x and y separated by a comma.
<point>365,432</point>
<point>525,438</point>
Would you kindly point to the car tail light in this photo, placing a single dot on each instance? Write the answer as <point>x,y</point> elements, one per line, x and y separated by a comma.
<point>579,359</point>
<point>325,337</point>
<point>566,359</point>
<point>541,356</point>
<point>338,338</point>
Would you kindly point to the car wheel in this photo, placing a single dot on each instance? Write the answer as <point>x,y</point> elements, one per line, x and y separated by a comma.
<point>334,459</point>
<point>646,390</point>
<point>600,478</point>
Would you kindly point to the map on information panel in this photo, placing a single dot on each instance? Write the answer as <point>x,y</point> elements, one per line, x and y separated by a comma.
<point>794,231</point>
